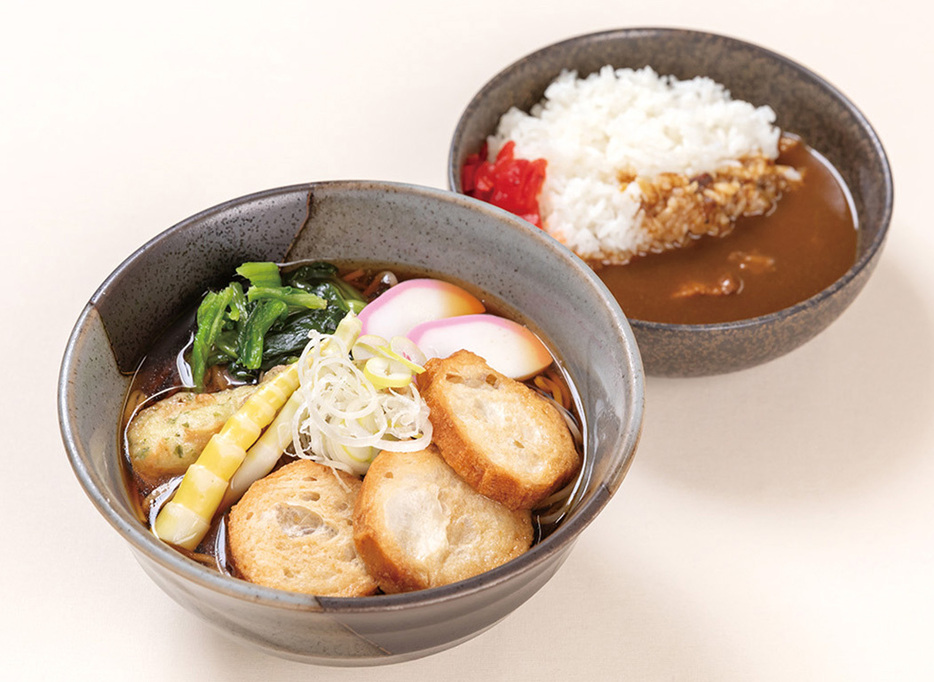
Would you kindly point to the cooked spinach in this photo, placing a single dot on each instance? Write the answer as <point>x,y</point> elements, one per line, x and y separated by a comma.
<point>321,279</point>
<point>268,324</point>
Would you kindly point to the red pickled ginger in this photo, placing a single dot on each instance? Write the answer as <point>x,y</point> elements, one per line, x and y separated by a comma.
<point>509,183</point>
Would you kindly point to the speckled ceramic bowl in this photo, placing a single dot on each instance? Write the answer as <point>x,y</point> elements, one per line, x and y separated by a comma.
<point>422,229</point>
<point>804,103</point>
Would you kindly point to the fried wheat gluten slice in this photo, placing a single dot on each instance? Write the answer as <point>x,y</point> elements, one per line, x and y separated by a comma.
<point>293,530</point>
<point>503,438</point>
<point>417,524</point>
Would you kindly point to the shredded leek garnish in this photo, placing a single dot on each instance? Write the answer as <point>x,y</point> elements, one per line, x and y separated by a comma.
<point>346,418</point>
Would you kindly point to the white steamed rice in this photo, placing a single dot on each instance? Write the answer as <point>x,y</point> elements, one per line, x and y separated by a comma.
<point>624,121</point>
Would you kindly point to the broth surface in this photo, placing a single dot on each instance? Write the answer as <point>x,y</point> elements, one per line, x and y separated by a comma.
<point>766,263</point>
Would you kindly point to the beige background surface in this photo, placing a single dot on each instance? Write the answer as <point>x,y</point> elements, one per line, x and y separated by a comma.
<point>777,522</point>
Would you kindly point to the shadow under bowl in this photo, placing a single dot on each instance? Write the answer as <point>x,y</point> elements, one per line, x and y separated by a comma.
<point>421,230</point>
<point>805,105</point>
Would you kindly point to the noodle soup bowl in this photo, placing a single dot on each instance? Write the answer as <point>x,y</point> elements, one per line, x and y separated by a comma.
<point>420,230</point>
<point>805,104</point>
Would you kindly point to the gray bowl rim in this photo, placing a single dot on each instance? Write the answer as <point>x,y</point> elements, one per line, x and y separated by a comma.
<point>171,560</point>
<point>861,263</point>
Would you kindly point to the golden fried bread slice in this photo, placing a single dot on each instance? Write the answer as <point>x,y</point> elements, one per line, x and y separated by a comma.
<point>293,530</point>
<point>164,438</point>
<point>503,438</point>
<point>417,524</point>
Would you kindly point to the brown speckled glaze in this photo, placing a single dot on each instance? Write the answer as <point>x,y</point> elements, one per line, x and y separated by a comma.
<point>804,103</point>
<point>426,229</point>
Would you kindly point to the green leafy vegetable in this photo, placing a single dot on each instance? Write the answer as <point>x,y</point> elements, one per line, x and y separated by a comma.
<point>263,274</point>
<point>250,339</point>
<point>287,295</point>
<point>287,343</point>
<point>238,309</point>
<point>268,324</point>
<point>321,279</point>
<point>211,315</point>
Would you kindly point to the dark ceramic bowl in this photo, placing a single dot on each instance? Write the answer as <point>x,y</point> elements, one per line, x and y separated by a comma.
<point>424,230</point>
<point>804,103</point>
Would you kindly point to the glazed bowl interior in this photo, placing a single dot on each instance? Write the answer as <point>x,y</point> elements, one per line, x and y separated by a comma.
<point>422,230</point>
<point>805,104</point>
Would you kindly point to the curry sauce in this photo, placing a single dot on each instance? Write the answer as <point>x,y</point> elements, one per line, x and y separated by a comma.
<point>766,263</point>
